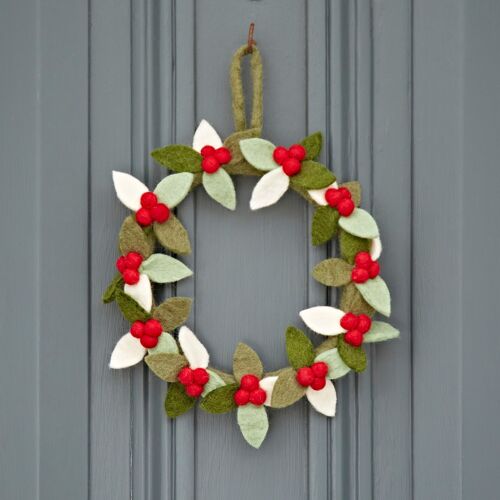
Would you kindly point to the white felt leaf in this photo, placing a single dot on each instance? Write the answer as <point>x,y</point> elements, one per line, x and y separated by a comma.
<point>166,344</point>
<point>259,153</point>
<point>336,367</point>
<point>174,188</point>
<point>214,382</point>
<point>270,188</point>
<point>193,349</point>
<point>219,186</point>
<point>323,319</point>
<point>253,424</point>
<point>325,400</point>
<point>206,135</point>
<point>164,269</point>
<point>380,331</point>
<point>267,383</point>
<point>141,292</point>
<point>375,248</point>
<point>129,189</point>
<point>127,352</point>
<point>318,195</point>
<point>360,223</point>
<point>376,293</point>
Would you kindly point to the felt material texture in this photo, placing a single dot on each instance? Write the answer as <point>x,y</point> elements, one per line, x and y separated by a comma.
<point>376,294</point>
<point>375,248</point>
<point>173,312</point>
<point>253,424</point>
<point>324,225</point>
<point>299,348</point>
<point>286,390</point>
<point>270,188</point>
<point>166,365</point>
<point>352,301</point>
<point>178,158</point>
<point>166,344</point>
<point>128,351</point>
<point>129,190</point>
<point>206,135</point>
<point>354,188</point>
<point>238,164</point>
<point>220,400</point>
<point>132,238</point>
<point>193,349</point>
<point>323,401</point>
<point>130,309</point>
<point>313,144</point>
<point>110,292</point>
<point>259,153</point>
<point>245,361</point>
<point>312,175</point>
<point>318,195</point>
<point>141,292</point>
<point>174,188</point>
<point>336,367</point>
<point>326,345</point>
<point>214,382</point>
<point>351,245</point>
<point>177,402</point>
<point>333,272</point>
<point>360,223</point>
<point>267,383</point>
<point>173,236</point>
<point>379,332</point>
<point>219,186</point>
<point>324,320</point>
<point>353,357</point>
<point>164,269</point>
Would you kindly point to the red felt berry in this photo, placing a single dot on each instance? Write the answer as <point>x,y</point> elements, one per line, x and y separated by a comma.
<point>149,342</point>
<point>305,376</point>
<point>121,264</point>
<point>241,397</point>
<point>349,321</point>
<point>131,276</point>
<point>346,207</point>
<point>207,151</point>
<point>332,196</point>
<point>137,329</point>
<point>160,213</point>
<point>280,154</point>
<point>354,338</point>
<point>359,275</point>
<point>210,164</point>
<point>153,328</point>
<point>344,193</point>
<point>318,383</point>
<point>185,376</point>
<point>374,269</point>
<point>249,382</point>
<point>320,369</point>
<point>258,397</point>
<point>297,151</point>
<point>291,167</point>
<point>223,155</point>
<point>365,323</point>
<point>134,260</point>
<point>200,376</point>
<point>194,390</point>
<point>143,217</point>
<point>148,200</point>
<point>363,260</point>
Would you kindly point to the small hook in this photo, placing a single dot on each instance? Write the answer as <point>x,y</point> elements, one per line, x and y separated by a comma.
<point>250,40</point>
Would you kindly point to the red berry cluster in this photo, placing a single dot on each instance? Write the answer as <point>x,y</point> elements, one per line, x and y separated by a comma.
<point>364,268</point>
<point>147,332</point>
<point>214,158</point>
<point>356,326</point>
<point>128,266</point>
<point>341,199</point>
<point>151,211</point>
<point>250,391</point>
<point>313,376</point>
<point>290,159</point>
<point>193,381</point>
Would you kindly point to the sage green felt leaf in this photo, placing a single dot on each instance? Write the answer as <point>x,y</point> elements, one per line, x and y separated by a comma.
<point>164,269</point>
<point>312,143</point>
<point>220,400</point>
<point>110,292</point>
<point>259,153</point>
<point>380,331</point>
<point>173,235</point>
<point>360,223</point>
<point>238,164</point>
<point>353,357</point>
<point>253,424</point>
<point>354,188</point>
<point>352,300</point>
<point>166,365</point>
<point>166,344</point>
<point>245,361</point>
<point>337,368</point>
<point>312,175</point>
<point>324,225</point>
<point>333,272</point>
<point>133,238</point>
<point>214,382</point>
<point>376,294</point>
<point>174,188</point>
<point>350,245</point>
<point>130,309</point>
<point>178,158</point>
<point>299,348</point>
<point>287,390</point>
<point>219,186</point>
<point>173,312</point>
<point>177,401</point>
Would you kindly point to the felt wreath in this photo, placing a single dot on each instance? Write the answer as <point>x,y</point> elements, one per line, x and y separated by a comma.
<point>158,331</point>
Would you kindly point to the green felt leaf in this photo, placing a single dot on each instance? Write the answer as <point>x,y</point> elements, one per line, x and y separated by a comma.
<point>312,175</point>
<point>178,158</point>
<point>164,269</point>
<point>253,424</point>
<point>173,236</point>
<point>174,188</point>
<point>299,348</point>
<point>333,272</point>
<point>245,361</point>
<point>166,344</point>
<point>220,400</point>
<point>353,357</point>
<point>238,164</point>
<point>173,312</point>
<point>219,186</point>
<point>177,401</point>
<point>352,300</point>
<point>313,144</point>
<point>324,225</point>
<point>133,238</point>
<point>354,188</point>
<point>166,365</point>
<point>350,245</point>
<point>287,390</point>
<point>376,294</point>
<point>214,382</point>
<point>380,331</point>
<point>130,309</point>
<point>110,292</point>
<point>259,153</point>
<point>337,368</point>
<point>360,223</point>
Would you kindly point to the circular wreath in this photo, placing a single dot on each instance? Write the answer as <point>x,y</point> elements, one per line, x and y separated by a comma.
<point>178,357</point>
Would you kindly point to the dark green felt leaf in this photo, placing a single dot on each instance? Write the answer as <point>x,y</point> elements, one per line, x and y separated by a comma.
<point>177,401</point>
<point>324,225</point>
<point>133,238</point>
<point>130,309</point>
<point>312,175</point>
<point>173,236</point>
<point>286,390</point>
<point>299,348</point>
<point>312,143</point>
<point>333,272</point>
<point>173,312</point>
<point>220,400</point>
<point>178,158</point>
<point>350,245</point>
<point>353,357</point>
<point>110,292</point>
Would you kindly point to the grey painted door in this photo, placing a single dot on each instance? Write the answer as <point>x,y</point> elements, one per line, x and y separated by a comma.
<point>407,95</point>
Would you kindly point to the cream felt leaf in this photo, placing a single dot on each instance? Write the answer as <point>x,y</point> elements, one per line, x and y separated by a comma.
<point>360,223</point>
<point>164,269</point>
<point>267,383</point>
<point>380,331</point>
<point>318,195</point>
<point>376,294</point>
<point>325,400</point>
<point>206,135</point>
<point>323,319</point>
<point>174,188</point>
<point>253,424</point>
<point>214,382</point>
<point>270,188</point>
<point>259,153</point>
<point>336,367</point>
<point>166,344</point>
<point>375,248</point>
<point>128,351</point>
<point>141,292</point>
<point>129,189</point>
<point>219,186</point>
<point>193,349</point>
